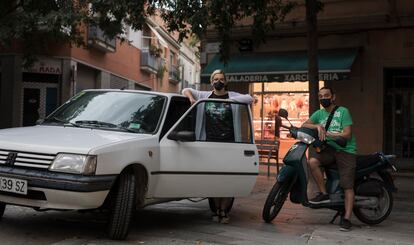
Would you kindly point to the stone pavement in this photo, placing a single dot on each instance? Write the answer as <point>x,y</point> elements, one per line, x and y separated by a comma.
<point>186,222</point>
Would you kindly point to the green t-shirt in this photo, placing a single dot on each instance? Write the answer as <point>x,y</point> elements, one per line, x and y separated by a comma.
<point>340,120</point>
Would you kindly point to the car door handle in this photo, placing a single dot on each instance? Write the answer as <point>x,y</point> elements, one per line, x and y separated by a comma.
<point>249,153</point>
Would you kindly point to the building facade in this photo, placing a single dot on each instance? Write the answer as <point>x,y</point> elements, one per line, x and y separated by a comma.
<point>366,55</point>
<point>148,60</point>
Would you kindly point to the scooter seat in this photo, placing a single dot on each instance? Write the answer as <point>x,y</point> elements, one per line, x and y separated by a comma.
<point>362,161</point>
<point>365,161</point>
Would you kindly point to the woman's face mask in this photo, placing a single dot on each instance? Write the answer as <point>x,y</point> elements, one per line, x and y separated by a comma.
<point>218,85</point>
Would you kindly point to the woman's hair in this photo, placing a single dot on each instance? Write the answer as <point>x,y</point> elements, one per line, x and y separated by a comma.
<point>215,72</point>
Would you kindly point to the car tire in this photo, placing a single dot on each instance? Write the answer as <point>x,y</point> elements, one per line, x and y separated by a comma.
<point>213,207</point>
<point>2,208</point>
<point>122,206</point>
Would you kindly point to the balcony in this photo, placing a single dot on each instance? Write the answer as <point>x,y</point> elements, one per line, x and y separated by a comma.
<point>98,40</point>
<point>149,63</point>
<point>174,74</point>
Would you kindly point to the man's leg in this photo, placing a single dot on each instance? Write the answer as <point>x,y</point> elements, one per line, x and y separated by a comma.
<point>349,203</point>
<point>346,167</point>
<point>315,166</point>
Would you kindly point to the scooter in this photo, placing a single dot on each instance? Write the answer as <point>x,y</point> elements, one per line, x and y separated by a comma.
<point>373,182</point>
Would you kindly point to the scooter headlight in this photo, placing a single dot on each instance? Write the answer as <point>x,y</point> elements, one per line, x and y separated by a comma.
<point>305,138</point>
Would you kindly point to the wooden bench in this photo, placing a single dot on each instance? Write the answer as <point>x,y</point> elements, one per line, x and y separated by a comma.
<point>268,154</point>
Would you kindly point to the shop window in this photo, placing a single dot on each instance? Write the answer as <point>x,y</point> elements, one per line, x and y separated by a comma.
<point>270,97</point>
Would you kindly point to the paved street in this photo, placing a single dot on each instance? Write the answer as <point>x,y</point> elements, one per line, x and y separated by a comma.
<point>185,222</point>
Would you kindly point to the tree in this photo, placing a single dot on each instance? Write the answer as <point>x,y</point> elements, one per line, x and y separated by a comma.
<point>36,23</point>
<point>312,9</point>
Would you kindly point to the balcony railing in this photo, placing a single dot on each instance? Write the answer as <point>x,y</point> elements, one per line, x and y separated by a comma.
<point>174,74</point>
<point>149,63</point>
<point>98,40</point>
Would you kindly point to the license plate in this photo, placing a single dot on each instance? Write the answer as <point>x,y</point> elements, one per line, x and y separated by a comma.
<point>13,185</point>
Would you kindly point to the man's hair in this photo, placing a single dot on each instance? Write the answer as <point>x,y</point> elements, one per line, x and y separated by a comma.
<point>217,72</point>
<point>328,88</point>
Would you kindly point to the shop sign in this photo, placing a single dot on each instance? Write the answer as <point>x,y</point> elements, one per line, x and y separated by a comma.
<point>286,77</point>
<point>45,66</point>
<point>248,78</point>
<point>325,76</point>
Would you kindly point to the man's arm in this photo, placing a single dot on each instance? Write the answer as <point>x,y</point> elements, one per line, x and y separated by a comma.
<point>321,130</point>
<point>346,133</point>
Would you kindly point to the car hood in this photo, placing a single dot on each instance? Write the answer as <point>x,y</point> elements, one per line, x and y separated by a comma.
<point>55,139</point>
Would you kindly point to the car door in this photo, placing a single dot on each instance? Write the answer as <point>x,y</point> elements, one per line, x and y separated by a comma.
<point>195,164</point>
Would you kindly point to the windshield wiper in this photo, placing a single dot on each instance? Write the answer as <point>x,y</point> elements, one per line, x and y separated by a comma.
<point>104,124</point>
<point>97,123</point>
<point>62,121</point>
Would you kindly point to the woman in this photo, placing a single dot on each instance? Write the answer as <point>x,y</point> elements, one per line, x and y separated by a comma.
<point>218,123</point>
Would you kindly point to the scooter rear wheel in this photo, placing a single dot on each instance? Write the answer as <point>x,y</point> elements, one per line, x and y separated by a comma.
<point>373,216</point>
<point>275,201</point>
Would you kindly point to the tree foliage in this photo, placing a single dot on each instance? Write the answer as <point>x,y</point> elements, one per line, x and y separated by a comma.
<point>36,23</point>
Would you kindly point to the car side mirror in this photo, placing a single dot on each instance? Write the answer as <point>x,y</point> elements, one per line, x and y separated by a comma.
<point>182,136</point>
<point>283,113</point>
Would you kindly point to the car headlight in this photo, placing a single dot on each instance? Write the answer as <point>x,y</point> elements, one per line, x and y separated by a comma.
<point>305,138</point>
<point>74,163</point>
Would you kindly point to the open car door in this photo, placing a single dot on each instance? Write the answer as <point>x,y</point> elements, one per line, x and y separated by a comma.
<point>195,161</point>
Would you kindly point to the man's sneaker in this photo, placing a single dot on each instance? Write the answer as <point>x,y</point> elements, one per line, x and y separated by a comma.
<point>320,198</point>
<point>345,225</point>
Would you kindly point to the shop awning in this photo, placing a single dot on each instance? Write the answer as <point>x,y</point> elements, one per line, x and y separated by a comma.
<point>283,67</point>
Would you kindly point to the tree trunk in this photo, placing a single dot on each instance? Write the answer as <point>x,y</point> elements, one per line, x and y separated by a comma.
<point>313,70</point>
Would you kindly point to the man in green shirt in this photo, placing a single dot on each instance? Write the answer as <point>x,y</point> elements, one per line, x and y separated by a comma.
<point>344,157</point>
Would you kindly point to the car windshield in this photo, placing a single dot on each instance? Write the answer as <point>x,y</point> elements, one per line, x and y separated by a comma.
<point>113,110</point>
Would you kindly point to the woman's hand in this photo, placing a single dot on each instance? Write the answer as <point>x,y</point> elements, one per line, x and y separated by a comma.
<point>192,100</point>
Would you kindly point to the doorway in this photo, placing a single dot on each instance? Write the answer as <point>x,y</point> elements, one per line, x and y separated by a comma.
<point>31,102</point>
<point>399,113</point>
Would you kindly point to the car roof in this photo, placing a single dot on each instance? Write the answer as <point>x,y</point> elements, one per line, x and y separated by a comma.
<point>139,91</point>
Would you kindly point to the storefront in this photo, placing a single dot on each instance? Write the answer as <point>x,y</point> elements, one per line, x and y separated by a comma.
<point>40,90</point>
<point>279,80</point>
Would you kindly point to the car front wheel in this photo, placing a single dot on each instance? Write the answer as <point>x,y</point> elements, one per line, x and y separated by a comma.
<point>122,206</point>
<point>2,208</point>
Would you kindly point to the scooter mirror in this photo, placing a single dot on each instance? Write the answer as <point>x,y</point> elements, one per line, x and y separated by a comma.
<point>283,113</point>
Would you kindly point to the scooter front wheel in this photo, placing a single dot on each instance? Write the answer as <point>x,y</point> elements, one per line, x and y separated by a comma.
<point>275,201</point>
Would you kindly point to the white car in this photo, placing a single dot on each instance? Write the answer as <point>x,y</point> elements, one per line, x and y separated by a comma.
<point>122,150</point>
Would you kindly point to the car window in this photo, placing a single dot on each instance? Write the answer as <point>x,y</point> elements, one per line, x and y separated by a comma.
<point>178,106</point>
<point>218,121</point>
<point>111,110</point>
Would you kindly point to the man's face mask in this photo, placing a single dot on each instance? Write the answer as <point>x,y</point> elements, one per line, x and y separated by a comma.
<point>218,85</point>
<point>325,102</point>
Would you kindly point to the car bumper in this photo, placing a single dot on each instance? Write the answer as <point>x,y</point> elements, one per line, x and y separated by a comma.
<point>54,190</point>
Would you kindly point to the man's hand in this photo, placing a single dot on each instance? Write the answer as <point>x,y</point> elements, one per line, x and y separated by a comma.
<point>321,132</point>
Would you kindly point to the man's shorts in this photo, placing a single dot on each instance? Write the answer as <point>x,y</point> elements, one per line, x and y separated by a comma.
<point>346,163</point>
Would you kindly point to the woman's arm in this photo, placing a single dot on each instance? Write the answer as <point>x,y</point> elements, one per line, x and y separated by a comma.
<point>242,98</point>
